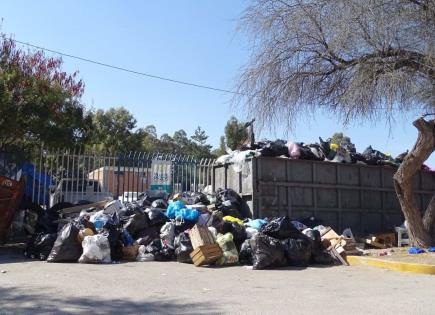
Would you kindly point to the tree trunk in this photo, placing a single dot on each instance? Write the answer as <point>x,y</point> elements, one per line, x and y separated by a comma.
<point>429,217</point>
<point>419,229</point>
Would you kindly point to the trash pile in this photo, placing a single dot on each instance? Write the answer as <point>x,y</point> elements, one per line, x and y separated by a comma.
<point>195,228</point>
<point>342,152</point>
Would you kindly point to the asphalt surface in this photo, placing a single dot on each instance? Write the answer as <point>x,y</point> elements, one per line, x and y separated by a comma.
<point>34,287</point>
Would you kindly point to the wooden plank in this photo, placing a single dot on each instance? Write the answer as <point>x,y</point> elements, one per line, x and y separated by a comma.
<point>337,256</point>
<point>99,205</point>
<point>330,234</point>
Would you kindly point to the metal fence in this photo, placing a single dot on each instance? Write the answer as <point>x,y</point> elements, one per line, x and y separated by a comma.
<point>72,176</point>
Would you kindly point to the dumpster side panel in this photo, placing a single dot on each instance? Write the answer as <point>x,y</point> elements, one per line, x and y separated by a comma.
<point>357,196</point>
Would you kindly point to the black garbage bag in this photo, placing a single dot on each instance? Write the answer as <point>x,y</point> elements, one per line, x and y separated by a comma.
<point>281,228</point>
<point>245,253</point>
<point>273,148</point>
<point>66,248</point>
<point>239,234</point>
<point>216,219</point>
<point>136,223</point>
<point>130,208</point>
<point>374,157</point>
<point>156,217</point>
<point>357,157</point>
<point>200,199</point>
<point>317,151</point>
<point>166,253</point>
<point>161,253</point>
<point>307,154</point>
<point>325,147</point>
<point>40,246</point>
<point>297,251</point>
<point>154,246</point>
<point>316,241</point>
<point>48,222</point>
<point>268,252</point>
<point>181,227</point>
<point>160,204</point>
<point>114,235</point>
<point>146,198</point>
<point>146,236</point>
<point>183,248</point>
<point>229,198</point>
<point>322,258</point>
<point>238,231</point>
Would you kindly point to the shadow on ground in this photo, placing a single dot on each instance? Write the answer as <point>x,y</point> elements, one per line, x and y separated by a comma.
<point>12,255</point>
<point>15,300</point>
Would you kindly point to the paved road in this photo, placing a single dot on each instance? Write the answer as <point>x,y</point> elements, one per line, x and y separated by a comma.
<point>33,287</point>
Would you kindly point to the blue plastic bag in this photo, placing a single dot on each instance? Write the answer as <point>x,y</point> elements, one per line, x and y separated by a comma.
<point>177,210</point>
<point>256,224</point>
<point>127,240</point>
<point>187,214</point>
<point>173,208</point>
<point>416,250</point>
<point>99,219</point>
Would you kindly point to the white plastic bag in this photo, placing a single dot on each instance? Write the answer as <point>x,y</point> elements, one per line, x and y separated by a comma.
<point>213,231</point>
<point>167,234</point>
<point>251,232</point>
<point>142,256</point>
<point>96,249</point>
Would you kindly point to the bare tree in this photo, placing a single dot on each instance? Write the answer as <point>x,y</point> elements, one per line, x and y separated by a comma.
<point>361,59</point>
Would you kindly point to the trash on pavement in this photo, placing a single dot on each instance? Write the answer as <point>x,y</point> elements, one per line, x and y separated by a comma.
<point>213,234</point>
<point>96,249</point>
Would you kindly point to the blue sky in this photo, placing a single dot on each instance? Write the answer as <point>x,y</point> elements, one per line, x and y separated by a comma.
<point>192,41</point>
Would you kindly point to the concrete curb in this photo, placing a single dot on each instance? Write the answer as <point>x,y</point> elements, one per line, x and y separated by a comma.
<point>391,265</point>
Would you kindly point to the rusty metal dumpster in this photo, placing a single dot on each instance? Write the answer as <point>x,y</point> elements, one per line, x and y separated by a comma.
<point>11,192</point>
<point>342,195</point>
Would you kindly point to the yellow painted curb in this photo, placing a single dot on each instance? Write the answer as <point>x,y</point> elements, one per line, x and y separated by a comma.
<point>391,265</point>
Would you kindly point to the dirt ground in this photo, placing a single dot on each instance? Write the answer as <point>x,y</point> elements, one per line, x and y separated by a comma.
<point>34,287</point>
<point>400,254</point>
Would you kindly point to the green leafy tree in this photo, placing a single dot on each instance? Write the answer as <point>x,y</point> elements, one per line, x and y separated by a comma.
<point>39,103</point>
<point>114,131</point>
<point>181,140</point>
<point>199,136</point>
<point>235,133</point>
<point>167,144</point>
<point>149,140</point>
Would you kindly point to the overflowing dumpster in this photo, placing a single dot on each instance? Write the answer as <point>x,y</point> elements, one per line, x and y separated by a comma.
<point>361,197</point>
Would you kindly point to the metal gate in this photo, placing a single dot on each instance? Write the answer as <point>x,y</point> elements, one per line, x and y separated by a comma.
<point>74,176</point>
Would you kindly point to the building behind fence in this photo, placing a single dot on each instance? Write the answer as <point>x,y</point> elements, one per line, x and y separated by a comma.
<point>121,175</point>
